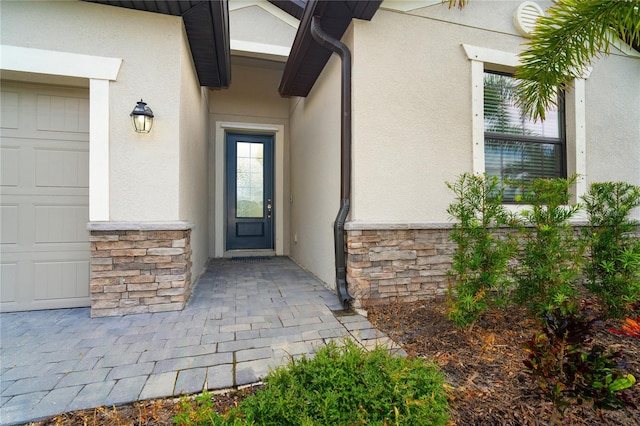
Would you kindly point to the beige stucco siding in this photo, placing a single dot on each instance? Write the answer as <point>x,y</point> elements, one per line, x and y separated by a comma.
<point>193,158</point>
<point>413,114</point>
<point>144,169</point>
<point>315,173</point>
<point>613,120</point>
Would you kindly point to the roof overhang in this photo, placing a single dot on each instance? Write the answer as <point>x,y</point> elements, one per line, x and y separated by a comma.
<point>206,23</point>
<point>307,58</point>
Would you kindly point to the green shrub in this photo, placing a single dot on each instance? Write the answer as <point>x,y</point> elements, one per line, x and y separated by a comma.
<point>344,385</point>
<point>480,262</point>
<point>551,258</point>
<point>613,270</point>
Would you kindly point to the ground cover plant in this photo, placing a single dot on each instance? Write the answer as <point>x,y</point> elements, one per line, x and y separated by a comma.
<point>630,328</point>
<point>339,385</point>
<point>570,370</point>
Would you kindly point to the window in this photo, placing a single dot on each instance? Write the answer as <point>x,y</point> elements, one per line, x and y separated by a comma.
<point>571,120</point>
<point>517,149</point>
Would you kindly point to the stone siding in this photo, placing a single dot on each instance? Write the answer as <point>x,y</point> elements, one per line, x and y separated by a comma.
<point>402,262</point>
<point>136,271</point>
<point>404,265</point>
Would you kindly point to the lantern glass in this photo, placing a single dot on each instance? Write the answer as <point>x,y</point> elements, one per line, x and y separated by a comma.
<point>142,118</point>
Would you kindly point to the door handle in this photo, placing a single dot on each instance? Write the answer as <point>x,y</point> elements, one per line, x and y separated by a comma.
<point>269,208</point>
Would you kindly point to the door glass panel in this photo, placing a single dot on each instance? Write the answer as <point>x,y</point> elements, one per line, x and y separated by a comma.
<point>249,180</point>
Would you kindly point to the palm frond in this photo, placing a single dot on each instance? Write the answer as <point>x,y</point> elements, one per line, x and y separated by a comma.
<point>566,41</point>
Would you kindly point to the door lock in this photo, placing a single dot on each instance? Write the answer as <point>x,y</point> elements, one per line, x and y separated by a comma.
<point>269,208</point>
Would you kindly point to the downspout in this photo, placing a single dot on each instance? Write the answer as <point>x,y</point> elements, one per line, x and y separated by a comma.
<point>342,50</point>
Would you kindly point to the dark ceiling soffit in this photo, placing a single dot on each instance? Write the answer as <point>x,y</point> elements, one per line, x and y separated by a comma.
<point>207,29</point>
<point>294,8</point>
<point>307,58</point>
<point>207,26</point>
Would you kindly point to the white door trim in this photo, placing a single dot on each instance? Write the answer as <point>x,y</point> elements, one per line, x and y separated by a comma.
<point>99,70</point>
<point>277,130</point>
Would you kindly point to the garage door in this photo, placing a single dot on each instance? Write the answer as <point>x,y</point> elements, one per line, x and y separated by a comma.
<point>44,204</point>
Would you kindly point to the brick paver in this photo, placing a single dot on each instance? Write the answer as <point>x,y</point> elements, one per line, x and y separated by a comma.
<point>243,319</point>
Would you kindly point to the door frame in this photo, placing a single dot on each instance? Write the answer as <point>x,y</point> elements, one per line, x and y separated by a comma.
<point>219,235</point>
<point>267,216</point>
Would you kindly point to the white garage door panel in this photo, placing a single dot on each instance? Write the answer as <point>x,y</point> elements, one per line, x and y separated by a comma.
<point>62,168</point>
<point>61,224</point>
<point>8,276</point>
<point>61,280</point>
<point>63,114</point>
<point>9,222</point>
<point>9,118</point>
<point>9,160</point>
<point>45,197</point>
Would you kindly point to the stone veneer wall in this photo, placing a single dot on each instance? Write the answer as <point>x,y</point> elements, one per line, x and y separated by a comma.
<point>139,268</point>
<point>404,263</point>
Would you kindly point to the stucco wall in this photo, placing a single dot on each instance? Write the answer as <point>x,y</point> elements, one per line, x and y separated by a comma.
<point>412,108</point>
<point>252,98</point>
<point>412,113</point>
<point>412,122</point>
<point>144,171</point>
<point>193,158</point>
<point>613,120</point>
<point>315,173</point>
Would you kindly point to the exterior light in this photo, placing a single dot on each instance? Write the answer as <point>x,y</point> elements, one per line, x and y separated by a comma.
<point>142,118</point>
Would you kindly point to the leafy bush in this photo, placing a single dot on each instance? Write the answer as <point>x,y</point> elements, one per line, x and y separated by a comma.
<point>344,385</point>
<point>481,260</point>
<point>613,271</point>
<point>551,255</point>
<point>568,371</point>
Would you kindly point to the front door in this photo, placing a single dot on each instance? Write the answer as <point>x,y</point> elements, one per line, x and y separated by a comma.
<point>249,176</point>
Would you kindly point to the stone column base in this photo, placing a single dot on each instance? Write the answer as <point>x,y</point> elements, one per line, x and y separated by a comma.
<point>139,267</point>
<point>389,262</point>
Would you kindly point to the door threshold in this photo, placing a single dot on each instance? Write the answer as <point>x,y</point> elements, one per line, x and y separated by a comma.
<point>249,253</point>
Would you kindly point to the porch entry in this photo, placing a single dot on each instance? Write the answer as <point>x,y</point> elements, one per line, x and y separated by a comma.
<point>249,191</point>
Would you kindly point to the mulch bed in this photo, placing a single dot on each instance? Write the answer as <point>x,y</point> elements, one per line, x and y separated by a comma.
<point>486,380</point>
<point>483,365</point>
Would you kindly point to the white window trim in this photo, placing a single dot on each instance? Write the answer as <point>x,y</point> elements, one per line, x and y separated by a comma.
<point>277,130</point>
<point>499,60</point>
<point>99,70</point>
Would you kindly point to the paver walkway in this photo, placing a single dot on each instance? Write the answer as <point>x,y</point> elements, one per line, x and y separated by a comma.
<point>243,319</point>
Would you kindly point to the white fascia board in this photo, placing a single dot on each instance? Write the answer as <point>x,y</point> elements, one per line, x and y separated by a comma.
<point>52,62</point>
<point>407,5</point>
<point>267,7</point>
<point>260,50</point>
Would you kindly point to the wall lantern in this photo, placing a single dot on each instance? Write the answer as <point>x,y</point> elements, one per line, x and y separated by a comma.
<point>142,118</point>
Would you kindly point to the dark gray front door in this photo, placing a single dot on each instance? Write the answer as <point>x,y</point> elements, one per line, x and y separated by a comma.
<point>249,175</point>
